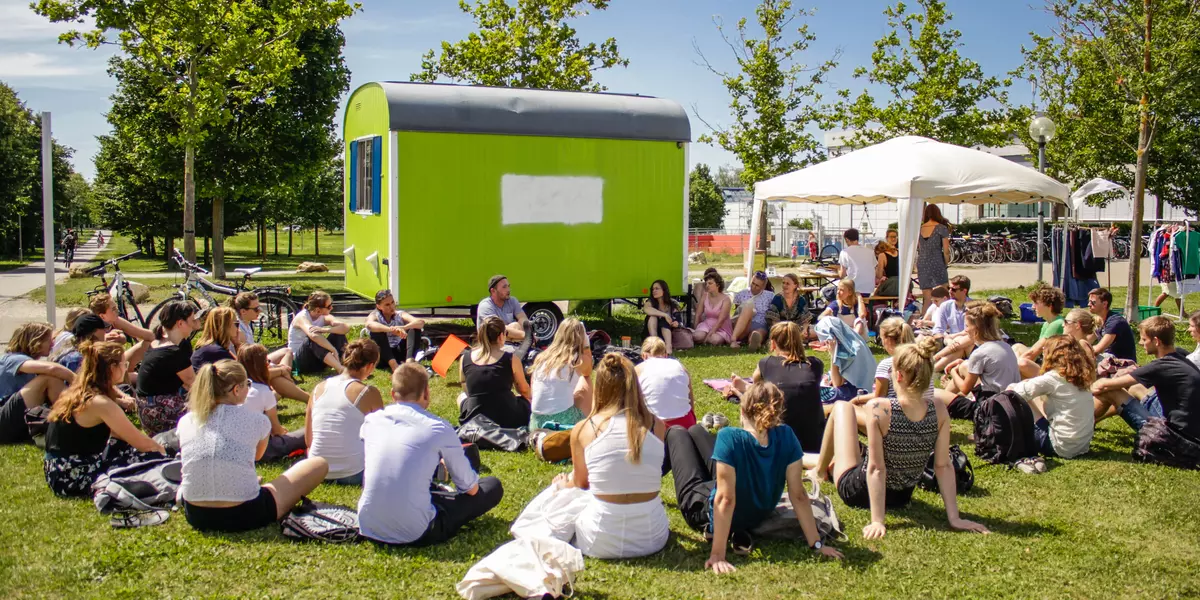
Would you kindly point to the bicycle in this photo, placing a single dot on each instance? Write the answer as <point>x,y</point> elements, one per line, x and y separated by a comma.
<point>119,289</point>
<point>275,302</point>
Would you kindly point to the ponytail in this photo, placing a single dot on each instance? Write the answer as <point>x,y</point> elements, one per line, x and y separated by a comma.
<point>213,385</point>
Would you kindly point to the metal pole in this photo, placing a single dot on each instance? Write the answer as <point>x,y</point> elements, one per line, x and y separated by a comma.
<point>48,214</point>
<point>1041,211</point>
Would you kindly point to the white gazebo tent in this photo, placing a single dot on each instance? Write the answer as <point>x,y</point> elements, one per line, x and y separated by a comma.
<point>910,171</point>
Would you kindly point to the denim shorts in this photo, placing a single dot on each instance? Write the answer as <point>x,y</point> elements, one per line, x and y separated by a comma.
<point>1041,437</point>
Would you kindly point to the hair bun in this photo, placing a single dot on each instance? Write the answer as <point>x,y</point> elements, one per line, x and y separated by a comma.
<point>928,346</point>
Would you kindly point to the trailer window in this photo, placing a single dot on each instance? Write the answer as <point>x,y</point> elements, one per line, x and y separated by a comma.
<point>364,194</point>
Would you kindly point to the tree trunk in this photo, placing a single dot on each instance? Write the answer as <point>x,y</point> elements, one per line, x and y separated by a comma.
<point>1132,299</point>
<point>275,225</point>
<point>262,234</point>
<point>189,203</point>
<point>205,261</point>
<point>218,234</point>
<point>169,250</point>
<point>289,241</point>
<point>317,241</point>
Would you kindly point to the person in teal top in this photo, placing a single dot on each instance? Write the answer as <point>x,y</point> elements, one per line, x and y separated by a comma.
<point>1048,303</point>
<point>728,484</point>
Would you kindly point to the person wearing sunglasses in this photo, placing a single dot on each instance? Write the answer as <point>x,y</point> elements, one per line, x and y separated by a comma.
<point>949,323</point>
<point>316,338</point>
<point>750,318</point>
<point>279,361</point>
<point>1116,336</point>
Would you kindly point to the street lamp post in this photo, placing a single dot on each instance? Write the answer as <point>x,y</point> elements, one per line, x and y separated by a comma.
<point>1041,129</point>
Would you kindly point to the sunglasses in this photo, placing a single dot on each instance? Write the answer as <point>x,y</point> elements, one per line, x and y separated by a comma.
<point>760,275</point>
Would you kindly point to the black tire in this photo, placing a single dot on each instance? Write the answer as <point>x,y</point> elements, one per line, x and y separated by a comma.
<point>545,317</point>
<point>274,319</point>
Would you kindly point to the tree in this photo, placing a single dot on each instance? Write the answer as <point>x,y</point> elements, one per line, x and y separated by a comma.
<point>706,205</point>
<point>1119,79</point>
<point>774,97</point>
<point>933,90</point>
<point>530,45</point>
<point>201,58</point>
<point>19,150</point>
<point>728,176</point>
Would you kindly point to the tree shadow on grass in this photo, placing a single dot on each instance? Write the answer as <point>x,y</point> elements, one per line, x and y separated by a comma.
<point>930,516</point>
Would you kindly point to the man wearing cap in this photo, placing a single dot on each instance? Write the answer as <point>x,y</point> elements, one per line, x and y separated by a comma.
<point>87,327</point>
<point>500,303</point>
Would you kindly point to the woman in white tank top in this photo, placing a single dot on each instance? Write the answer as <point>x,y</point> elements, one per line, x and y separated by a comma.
<point>562,378</point>
<point>336,411</point>
<point>618,456</point>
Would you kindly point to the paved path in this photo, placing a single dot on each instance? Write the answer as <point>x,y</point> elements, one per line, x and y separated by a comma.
<point>14,284</point>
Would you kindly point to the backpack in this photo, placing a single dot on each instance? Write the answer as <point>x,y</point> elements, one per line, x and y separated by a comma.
<point>1003,304</point>
<point>783,525</point>
<point>1004,429</point>
<point>1157,443</point>
<point>141,486</point>
<point>633,354</point>
<point>331,523</point>
<point>881,314</point>
<point>964,474</point>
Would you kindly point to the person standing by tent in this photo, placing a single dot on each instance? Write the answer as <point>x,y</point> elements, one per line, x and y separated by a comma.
<point>857,262</point>
<point>933,252</point>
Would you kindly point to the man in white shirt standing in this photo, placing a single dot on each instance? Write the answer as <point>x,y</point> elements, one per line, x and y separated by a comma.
<point>404,445</point>
<point>857,262</point>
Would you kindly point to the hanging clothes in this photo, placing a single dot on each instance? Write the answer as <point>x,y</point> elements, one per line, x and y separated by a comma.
<point>1075,288</point>
<point>1187,246</point>
<point>1102,243</point>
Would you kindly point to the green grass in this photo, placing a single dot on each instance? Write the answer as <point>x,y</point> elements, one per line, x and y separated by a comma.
<point>239,252</point>
<point>10,263</point>
<point>1096,526</point>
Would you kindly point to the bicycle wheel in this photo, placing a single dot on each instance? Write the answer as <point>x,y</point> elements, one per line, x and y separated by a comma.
<point>274,318</point>
<point>173,297</point>
<point>1015,252</point>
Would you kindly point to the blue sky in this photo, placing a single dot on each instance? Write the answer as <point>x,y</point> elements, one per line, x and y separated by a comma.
<point>386,38</point>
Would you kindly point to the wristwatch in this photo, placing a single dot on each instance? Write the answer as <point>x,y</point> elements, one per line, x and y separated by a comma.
<point>816,547</point>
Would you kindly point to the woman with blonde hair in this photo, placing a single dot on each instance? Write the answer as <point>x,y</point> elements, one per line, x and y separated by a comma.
<point>850,307</point>
<point>728,484</point>
<point>315,337</point>
<point>218,339</point>
<point>617,453</point>
<point>562,378</point>
<point>1061,398</point>
<point>893,333</point>
<point>261,398</point>
<point>336,411</point>
<point>993,364</point>
<point>489,373</point>
<point>798,377</point>
<point>666,385</point>
<point>64,335</point>
<point>27,380</point>
<point>219,441</point>
<point>87,432</point>
<point>901,434</point>
<point>1081,325</point>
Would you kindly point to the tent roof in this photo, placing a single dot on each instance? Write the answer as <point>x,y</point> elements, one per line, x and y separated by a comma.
<point>450,108</point>
<point>913,167</point>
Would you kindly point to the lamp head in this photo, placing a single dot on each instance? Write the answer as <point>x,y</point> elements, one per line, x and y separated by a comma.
<point>1042,128</point>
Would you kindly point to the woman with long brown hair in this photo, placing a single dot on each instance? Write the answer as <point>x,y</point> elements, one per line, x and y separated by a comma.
<point>618,453</point>
<point>1061,398</point>
<point>489,373</point>
<point>218,339</point>
<point>336,412</point>
<point>88,432</point>
<point>887,265</point>
<point>728,484</point>
<point>933,252</point>
<point>798,377</point>
<point>219,441</point>
<point>261,398</point>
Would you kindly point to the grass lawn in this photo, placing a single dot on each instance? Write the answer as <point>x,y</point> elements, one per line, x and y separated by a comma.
<point>1096,526</point>
<point>239,252</point>
<point>10,263</point>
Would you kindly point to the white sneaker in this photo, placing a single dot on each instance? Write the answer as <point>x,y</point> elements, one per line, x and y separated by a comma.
<point>714,422</point>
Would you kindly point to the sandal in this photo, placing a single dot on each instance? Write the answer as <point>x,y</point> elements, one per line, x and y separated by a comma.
<point>742,543</point>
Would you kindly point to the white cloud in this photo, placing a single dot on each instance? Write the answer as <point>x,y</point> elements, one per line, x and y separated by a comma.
<point>32,64</point>
<point>21,24</point>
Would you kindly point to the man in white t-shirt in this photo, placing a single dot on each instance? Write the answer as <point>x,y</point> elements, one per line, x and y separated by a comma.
<point>857,263</point>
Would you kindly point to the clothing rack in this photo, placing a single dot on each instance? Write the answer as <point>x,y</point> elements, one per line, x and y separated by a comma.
<point>1187,225</point>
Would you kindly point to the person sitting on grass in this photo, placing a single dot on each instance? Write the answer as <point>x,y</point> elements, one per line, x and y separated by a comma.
<point>662,314</point>
<point>488,374</point>
<point>713,325</point>
<point>102,305</point>
<point>166,372</point>
<point>939,296</point>
<point>86,328</point>
<point>63,336</point>
<point>991,368</point>
<point>893,333</point>
<point>798,377</point>
<point>1116,336</point>
<point>750,317</point>
<point>728,484</point>
<point>850,307</point>
<point>404,445</point>
<point>218,338</point>
<point>280,361</point>
<point>901,434</point>
<point>618,453</point>
<point>261,399</point>
<point>949,323</point>
<point>1048,305</point>
<point>1176,383</point>
<point>1194,331</point>
<point>499,303</point>
<point>397,333</point>
<point>315,338</point>
<point>219,441</point>
<point>27,380</point>
<point>789,305</point>
<point>336,410</point>
<point>1080,325</point>
<point>87,431</point>
<point>1061,398</point>
<point>562,378</point>
<point>666,385</point>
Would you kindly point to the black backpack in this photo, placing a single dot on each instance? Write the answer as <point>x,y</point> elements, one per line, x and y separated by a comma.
<point>964,474</point>
<point>1003,304</point>
<point>1004,429</point>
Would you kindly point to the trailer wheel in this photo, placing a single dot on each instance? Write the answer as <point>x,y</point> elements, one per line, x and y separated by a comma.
<point>545,317</point>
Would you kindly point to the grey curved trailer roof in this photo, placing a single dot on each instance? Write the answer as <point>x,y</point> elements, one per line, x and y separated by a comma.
<point>452,108</point>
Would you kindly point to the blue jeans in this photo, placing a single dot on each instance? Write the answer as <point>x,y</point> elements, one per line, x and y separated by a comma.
<point>1137,413</point>
<point>1041,437</point>
<point>355,479</point>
